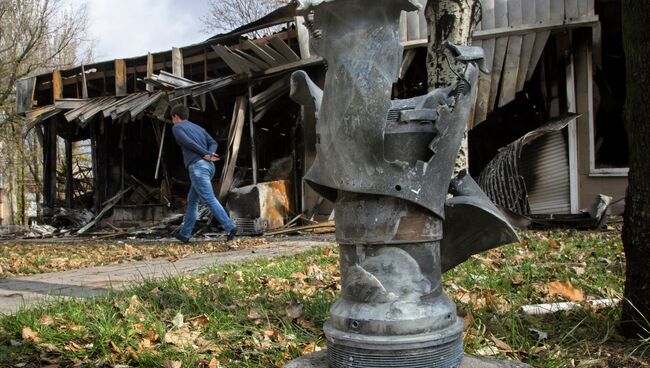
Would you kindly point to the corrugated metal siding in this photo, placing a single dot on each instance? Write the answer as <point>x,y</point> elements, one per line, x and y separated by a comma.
<point>548,190</point>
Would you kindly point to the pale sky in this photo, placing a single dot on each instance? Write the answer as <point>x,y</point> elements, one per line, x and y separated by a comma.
<point>128,28</point>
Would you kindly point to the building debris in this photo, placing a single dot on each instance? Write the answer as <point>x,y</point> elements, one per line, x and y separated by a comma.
<point>328,224</point>
<point>549,308</point>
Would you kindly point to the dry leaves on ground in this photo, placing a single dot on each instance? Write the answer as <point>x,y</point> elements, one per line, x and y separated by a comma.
<point>565,290</point>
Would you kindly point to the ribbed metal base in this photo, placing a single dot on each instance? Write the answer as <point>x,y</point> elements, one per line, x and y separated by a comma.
<point>441,356</point>
<point>442,349</point>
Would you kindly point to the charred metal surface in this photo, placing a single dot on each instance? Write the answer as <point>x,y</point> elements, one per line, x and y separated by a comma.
<point>361,45</point>
<point>487,229</point>
<point>388,165</point>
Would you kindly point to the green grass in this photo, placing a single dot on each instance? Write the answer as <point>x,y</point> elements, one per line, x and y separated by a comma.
<point>264,313</point>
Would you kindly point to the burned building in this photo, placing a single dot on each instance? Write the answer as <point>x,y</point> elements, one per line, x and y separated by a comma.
<point>547,58</point>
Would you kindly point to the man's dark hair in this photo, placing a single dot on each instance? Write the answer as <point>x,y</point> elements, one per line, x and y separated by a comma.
<point>181,111</point>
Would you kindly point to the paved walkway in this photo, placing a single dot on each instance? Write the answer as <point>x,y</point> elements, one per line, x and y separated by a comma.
<point>95,281</point>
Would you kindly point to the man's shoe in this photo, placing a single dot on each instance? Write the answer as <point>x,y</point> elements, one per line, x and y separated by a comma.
<point>181,238</point>
<point>231,234</point>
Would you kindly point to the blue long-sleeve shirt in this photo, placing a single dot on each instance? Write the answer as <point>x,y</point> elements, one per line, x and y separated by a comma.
<point>195,142</point>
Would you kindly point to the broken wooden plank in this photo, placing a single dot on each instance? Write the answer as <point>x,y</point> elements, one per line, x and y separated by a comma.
<point>154,98</point>
<point>108,205</point>
<point>173,80</point>
<point>261,53</point>
<point>303,228</point>
<point>500,49</point>
<point>57,85</point>
<point>284,49</point>
<point>242,58</point>
<point>412,26</point>
<point>120,77</point>
<point>231,60</point>
<point>25,94</point>
<point>88,114</point>
<point>84,82</point>
<point>402,27</point>
<point>234,139</point>
<point>528,42</point>
<point>543,15</point>
<point>303,37</point>
<point>70,103</point>
<point>160,151</point>
<point>177,62</point>
<point>298,64</point>
<point>277,88</point>
<point>258,62</point>
<point>149,70</point>
<point>513,56</point>
<point>276,55</point>
<point>485,79</point>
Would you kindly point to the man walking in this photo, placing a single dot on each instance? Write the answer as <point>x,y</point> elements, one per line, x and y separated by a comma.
<point>199,156</point>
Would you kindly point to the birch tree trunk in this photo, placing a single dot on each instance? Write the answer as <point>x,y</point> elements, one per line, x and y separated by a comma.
<point>453,21</point>
<point>636,228</point>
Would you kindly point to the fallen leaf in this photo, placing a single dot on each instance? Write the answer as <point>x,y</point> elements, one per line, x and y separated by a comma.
<point>207,346</point>
<point>129,249</point>
<point>307,325</point>
<point>144,344</point>
<point>214,363</point>
<point>73,346</point>
<point>502,345</point>
<point>487,351</point>
<point>182,337</point>
<point>590,363</point>
<point>564,289</point>
<point>253,315</point>
<point>310,348</point>
<point>328,252</point>
<point>115,347</point>
<point>30,335</point>
<point>49,348</point>
<point>239,276</point>
<point>199,321</point>
<point>215,279</point>
<point>47,320</point>
<point>553,244</point>
<point>299,275</point>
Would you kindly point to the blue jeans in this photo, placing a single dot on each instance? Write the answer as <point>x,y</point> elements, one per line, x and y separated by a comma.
<point>201,173</point>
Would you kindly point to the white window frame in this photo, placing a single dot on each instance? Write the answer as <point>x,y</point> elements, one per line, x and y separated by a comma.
<point>593,171</point>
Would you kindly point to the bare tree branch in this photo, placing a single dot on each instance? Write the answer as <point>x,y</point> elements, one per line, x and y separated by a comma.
<point>36,36</point>
<point>226,15</point>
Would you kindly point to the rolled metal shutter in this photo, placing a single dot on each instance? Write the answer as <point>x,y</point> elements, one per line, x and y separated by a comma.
<point>545,163</point>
